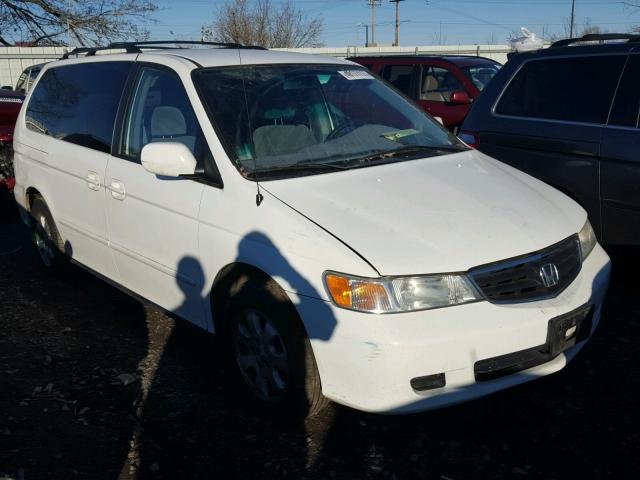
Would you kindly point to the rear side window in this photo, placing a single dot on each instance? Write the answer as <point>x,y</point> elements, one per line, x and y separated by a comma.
<point>399,76</point>
<point>626,106</point>
<point>569,89</point>
<point>78,103</point>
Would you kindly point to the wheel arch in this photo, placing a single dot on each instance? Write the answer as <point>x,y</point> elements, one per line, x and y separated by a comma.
<point>229,280</point>
<point>30,194</point>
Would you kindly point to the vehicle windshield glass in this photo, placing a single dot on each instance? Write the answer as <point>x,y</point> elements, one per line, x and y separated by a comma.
<point>482,74</point>
<point>288,120</point>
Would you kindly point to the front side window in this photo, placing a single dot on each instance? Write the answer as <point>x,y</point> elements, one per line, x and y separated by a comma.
<point>33,74</point>
<point>438,84</point>
<point>578,89</point>
<point>161,112</point>
<point>21,85</point>
<point>78,103</point>
<point>481,75</point>
<point>285,120</point>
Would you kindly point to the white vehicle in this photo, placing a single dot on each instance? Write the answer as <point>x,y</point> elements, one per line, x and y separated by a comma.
<point>346,245</point>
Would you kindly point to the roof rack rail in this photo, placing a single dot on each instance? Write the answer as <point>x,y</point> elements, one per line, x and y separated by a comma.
<point>160,43</point>
<point>597,37</point>
<point>136,47</point>
<point>90,51</point>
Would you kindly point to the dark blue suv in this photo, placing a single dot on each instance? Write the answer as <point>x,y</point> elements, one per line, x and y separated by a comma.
<point>568,115</point>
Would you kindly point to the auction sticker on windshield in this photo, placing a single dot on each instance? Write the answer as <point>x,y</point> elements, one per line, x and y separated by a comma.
<point>355,74</point>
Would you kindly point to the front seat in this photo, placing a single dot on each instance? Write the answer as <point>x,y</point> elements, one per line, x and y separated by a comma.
<point>271,140</point>
<point>429,87</point>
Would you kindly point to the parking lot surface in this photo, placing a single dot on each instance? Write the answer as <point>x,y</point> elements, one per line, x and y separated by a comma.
<point>96,385</point>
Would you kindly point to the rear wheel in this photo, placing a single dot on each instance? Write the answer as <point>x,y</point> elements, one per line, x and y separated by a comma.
<point>271,353</point>
<point>46,237</point>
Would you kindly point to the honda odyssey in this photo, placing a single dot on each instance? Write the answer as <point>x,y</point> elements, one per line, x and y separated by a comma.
<point>344,244</point>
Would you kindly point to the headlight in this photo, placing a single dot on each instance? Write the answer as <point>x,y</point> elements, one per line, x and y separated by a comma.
<point>587,240</point>
<point>399,294</point>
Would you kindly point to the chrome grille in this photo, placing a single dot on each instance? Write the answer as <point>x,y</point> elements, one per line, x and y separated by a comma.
<point>520,279</point>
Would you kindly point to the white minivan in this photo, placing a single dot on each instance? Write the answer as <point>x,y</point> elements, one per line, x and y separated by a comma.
<point>343,243</point>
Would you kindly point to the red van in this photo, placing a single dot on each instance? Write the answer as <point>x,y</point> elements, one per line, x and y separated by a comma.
<point>442,86</point>
<point>10,104</point>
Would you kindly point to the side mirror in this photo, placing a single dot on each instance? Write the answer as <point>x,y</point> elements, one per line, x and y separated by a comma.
<point>460,97</point>
<point>168,159</point>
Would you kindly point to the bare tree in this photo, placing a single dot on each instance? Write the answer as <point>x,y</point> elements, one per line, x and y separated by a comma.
<point>634,7</point>
<point>587,29</point>
<point>87,22</point>
<point>266,24</point>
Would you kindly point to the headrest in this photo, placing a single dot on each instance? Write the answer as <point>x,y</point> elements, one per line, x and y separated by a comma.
<point>429,83</point>
<point>167,122</point>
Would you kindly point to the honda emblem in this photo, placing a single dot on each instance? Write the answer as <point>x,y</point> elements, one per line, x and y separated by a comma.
<point>549,275</point>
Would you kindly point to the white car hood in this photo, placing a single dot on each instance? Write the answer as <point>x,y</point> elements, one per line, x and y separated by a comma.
<point>434,215</point>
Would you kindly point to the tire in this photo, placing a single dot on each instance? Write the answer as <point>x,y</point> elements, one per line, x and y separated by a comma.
<point>46,238</point>
<point>265,334</point>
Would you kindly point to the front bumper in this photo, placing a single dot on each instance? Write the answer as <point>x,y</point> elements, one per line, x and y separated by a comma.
<point>368,361</point>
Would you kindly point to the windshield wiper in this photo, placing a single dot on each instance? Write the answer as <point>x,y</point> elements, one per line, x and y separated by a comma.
<point>308,167</point>
<point>407,150</point>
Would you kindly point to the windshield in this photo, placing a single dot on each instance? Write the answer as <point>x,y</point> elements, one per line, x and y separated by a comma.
<point>482,74</point>
<point>288,120</point>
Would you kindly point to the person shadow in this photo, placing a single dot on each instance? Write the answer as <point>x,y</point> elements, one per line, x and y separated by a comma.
<point>193,420</point>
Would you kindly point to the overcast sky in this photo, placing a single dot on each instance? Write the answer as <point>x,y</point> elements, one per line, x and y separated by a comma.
<point>424,21</point>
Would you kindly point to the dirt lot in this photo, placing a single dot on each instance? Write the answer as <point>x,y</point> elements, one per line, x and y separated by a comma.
<point>95,385</point>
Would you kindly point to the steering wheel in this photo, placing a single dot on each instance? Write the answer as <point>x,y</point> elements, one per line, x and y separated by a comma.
<point>341,130</point>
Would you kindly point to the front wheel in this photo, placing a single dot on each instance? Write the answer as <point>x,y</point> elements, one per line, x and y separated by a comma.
<point>271,353</point>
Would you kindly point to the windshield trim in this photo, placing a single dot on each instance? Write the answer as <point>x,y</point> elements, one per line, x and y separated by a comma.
<point>228,149</point>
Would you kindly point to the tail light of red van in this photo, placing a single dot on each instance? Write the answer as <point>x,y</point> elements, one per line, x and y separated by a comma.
<point>470,138</point>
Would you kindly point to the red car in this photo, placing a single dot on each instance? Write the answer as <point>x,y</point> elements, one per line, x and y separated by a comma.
<point>10,104</point>
<point>442,86</point>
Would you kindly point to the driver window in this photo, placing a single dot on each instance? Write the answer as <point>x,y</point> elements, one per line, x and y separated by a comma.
<point>161,112</point>
<point>438,84</point>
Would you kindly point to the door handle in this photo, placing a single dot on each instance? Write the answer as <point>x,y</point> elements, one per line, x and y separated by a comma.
<point>93,180</point>
<point>117,189</point>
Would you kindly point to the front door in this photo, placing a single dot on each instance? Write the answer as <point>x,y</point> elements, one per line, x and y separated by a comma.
<point>153,220</point>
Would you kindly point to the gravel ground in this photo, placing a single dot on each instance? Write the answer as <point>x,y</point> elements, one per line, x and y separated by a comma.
<point>95,385</point>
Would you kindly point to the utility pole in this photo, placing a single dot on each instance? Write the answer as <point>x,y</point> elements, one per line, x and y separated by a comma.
<point>366,27</point>
<point>573,12</point>
<point>373,4</point>
<point>397,2</point>
<point>68,24</point>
